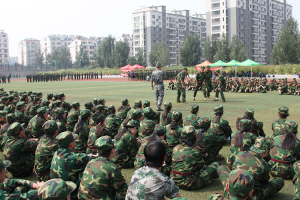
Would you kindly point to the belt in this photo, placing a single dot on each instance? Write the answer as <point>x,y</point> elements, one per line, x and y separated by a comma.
<point>282,162</point>
<point>142,157</point>
<point>182,173</point>
<point>90,147</point>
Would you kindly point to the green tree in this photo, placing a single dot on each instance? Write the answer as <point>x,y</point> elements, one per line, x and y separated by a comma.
<point>286,49</point>
<point>153,55</point>
<point>82,58</point>
<point>64,57</point>
<point>108,51</point>
<point>39,58</point>
<point>54,58</point>
<point>48,61</point>
<point>223,50</point>
<point>121,53</point>
<point>237,49</point>
<point>140,57</point>
<point>210,48</point>
<point>132,61</point>
<point>163,54</point>
<point>98,56</point>
<point>190,53</point>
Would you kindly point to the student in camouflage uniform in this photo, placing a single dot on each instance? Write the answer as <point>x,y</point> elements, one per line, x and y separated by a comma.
<point>10,119</point>
<point>296,180</point>
<point>10,108</point>
<point>192,119</point>
<point>112,122</point>
<point>188,167</point>
<point>73,116</point>
<point>180,85</point>
<point>2,118</point>
<point>46,101</point>
<point>254,162</point>
<point>102,179</point>
<point>59,118</point>
<point>35,106</point>
<point>166,117</point>
<point>123,109</point>
<point>34,127</point>
<point>279,125</point>
<point>199,81</point>
<point>82,129</point>
<point>19,151</point>
<point>148,182</point>
<point>147,125</point>
<point>239,183</point>
<point>221,88</point>
<point>46,148</point>
<point>219,126</point>
<point>137,115</point>
<point>3,103</point>
<point>285,151</point>
<point>89,106</point>
<point>126,145</point>
<point>56,189</point>
<point>146,104</point>
<point>173,130</point>
<point>137,106</point>
<point>207,79</point>
<point>21,117</point>
<point>158,77</point>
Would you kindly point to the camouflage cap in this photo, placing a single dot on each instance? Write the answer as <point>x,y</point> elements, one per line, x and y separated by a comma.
<point>146,104</point>
<point>296,167</point>
<point>249,112</point>
<point>58,103</point>
<point>291,126</point>
<point>124,102</point>
<point>104,143</point>
<point>29,93</point>
<point>168,105</point>
<point>85,113</point>
<point>194,108</point>
<point>20,105</point>
<point>4,98</point>
<point>10,117</point>
<point>101,101</point>
<point>133,123</point>
<point>283,110</point>
<point>59,111</point>
<point>49,96</point>
<point>49,127</point>
<point>64,139</point>
<point>95,101</point>
<point>95,117</point>
<point>261,145</point>
<point>56,189</point>
<point>245,124</point>
<point>138,103</point>
<point>218,109</point>
<point>99,107</point>
<point>240,183</point>
<point>61,95</point>
<point>161,128</point>
<point>136,114</point>
<point>88,105</point>
<point>14,129</point>
<point>75,104</point>
<point>4,164</point>
<point>3,114</point>
<point>176,115</point>
<point>11,97</point>
<point>41,110</point>
<point>204,122</point>
<point>111,107</point>
<point>148,112</point>
<point>39,93</point>
<point>188,132</point>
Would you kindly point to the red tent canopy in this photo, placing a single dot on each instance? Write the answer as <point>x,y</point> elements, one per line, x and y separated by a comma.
<point>204,64</point>
<point>136,66</point>
<point>125,67</point>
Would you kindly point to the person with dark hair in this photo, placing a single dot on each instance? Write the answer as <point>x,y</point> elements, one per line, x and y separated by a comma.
<point>10,119</point>
<point>241,140</point>
<point>89,106</point>
<point>66,106</point>
<point>180,85</point>
<point>146,104</point>
<point>35,106</point>
<point>73,116</point>
<point>148,182</point>
<point>10,108</point>
<point>285,151</point>
<point>47,100</point>
<point>82,129</point>
<point>102,179</point>
<point>34,127</point>
<point>279,125</point>
<point>220,127</point>
<point>123,109</point>
<point>137,106</point>
<point>173,130</point>
<point>192,119</point>
<point>166,116</point>
<point>21,117</point>
<point>126,144</point>
<point>148,123</point>
<point>158,77</point>
<point>45,150</point>
<point>189,171</point>
<point>112,122</point>
<point>59,117</point>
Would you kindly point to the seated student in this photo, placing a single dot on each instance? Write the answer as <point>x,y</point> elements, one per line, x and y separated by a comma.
<point>16,188</point>
<point>82,129</point>
<point>147,125</point>
<point>102,179</point>
<point>174,130</point>
<point>166,117</point>
<point>296,179</point>
<point>149,182</point>
<point>192,119</point>
<point>238,183</point>
<point>56,189</point>
<point>279,124</point>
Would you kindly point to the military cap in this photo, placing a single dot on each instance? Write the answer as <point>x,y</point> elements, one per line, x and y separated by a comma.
<point>260,125</point>
<point>64,139</point>
<point>50,127</point>
<point>29,93</point>
<point>4,99</point>
<point>136,114</point>
<point>261,145</point>
<point>245,124</point>
<point>291,126</point>
<point>10,117</point>
<point>194,108</point>
<point>4,164</point>
<point>158,65</point>
<point>185,69</point>
<point>95,117</point>
<point>75,104</point>
<point>49,96</point>
<point>100,107</point>
<point>249,112</point>
<point>88,105</point>
<point>85,113</point>
<point>159,127</point>
<point>124,102</point>
<point>138,103</point>
<point>1,89</point>
<point>34,93</point>
<point>168,105</point>
<point>188,132</point>
<point>11,97</point>
<point>204,122</point>
<point>148,112</point>
<point>146,104</point>
<point>41,110</point>
<point>95,101</point>
<point>133,123</point>
<point>101,101</point>
<point>3,114</point>
<point>39,93</point>
<point>61,95</point>
<point>104,143</point>
<point>11,91</point>
<point>5,94</point>
<point>14,129</point>
<point>218,109</point>
<point>58,103</point>
<point>240,183</point>
<point>20,104</point>
<point>110,108</point>
<point>59,111</point>
<point>56,189</point>
<point>176,115</point>
<point>37,99</point>
<point>283,110</point>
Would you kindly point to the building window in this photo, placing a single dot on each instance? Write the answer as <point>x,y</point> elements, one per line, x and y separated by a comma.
<point>153,16</point>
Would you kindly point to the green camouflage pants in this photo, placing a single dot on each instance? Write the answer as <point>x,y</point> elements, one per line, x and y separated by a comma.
<point>281,170</point>
<point>221,91</point>
<point>198,87</point>
<point>297,188</point>
<point>25,168</point>
<point>207,88</point>
<point>159,95</point>
<point>180,90</point>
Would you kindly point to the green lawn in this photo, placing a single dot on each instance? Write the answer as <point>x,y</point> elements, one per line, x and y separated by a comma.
<point>264,105</point>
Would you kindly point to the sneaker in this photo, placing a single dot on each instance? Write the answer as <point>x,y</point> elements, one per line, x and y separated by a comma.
<point>178,101</point>
<point>193,98</point>
<point>216,99</point>
<point>205,99</point>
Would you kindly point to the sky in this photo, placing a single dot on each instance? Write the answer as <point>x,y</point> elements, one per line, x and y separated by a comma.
<point>22,19</point>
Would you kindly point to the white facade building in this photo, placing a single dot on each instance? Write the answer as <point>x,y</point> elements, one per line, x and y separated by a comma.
<point>26,51</point>
<point>4,47</point>
<point>129,39</point>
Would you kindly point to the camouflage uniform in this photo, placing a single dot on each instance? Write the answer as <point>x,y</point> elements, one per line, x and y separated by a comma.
<point>222,128</point>
<point>123,112</point>
<point>112,122</point>
<point>296,180</point>
<point>173,135</point>
<point>45,150</point>
<point>102,179</point>
<point>168,119</point>
<point>83,135</point>
<point>73,117</point>
<point>21,117</point>
<point>35,126</point>
<point>180,90</point>
<point>56,189</point>
<point>93,137</point>
<point>10,118</point>
<point>207,79</point>
<point>158,77</point>
<point>137,106</point>
<point>221,88</point>
<point>148,124</point>
<point>19,151</point>
<point>199,79</point>
<point>188,168</point>
<point>61,125</point>
<point>279,124</point>
<point>192,119</point>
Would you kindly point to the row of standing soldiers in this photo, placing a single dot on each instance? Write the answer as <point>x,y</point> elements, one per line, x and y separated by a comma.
<point>62,76</point>
<point>143,74</point>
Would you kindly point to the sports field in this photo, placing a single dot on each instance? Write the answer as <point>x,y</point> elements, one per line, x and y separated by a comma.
<point>264,105</point>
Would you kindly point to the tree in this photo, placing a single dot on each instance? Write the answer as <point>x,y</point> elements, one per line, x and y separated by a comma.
<point>237,49</point>
<point>121,53</point>
<point>132,61</point>
<point>39,58</point>
<point>108,51</point>
<point>64,56</point>
<point>54,58</point>
<point>163,54</point>
<point>98,56</point>
<point>286,49</point>
<point>210,48</point>
<point>223,51</point>
<point>140,57</point>
<point>153,55</point>
<point>190,53</point>
<point>81,57</point>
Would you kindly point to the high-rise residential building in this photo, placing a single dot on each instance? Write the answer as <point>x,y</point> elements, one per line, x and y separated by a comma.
<point>4,47</point>
<point>26,51</point>
<point>256,22</point>
<point>152,25</point>
<point>129,39</point>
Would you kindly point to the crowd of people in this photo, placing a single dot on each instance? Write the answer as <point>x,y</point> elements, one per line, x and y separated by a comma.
<point>45,77</point>
<point>80,154</point>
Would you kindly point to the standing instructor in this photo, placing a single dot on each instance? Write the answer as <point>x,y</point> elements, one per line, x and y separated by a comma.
<point>158,77</point>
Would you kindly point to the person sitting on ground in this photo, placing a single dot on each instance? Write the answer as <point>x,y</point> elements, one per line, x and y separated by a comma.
<point>192,119</point>
<point>174,130</point>
<point>279,125</point>
<point>82,129</point>
<point>166,117</point>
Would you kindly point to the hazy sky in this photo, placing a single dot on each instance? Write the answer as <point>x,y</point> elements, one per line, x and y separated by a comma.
<point>22,19</point>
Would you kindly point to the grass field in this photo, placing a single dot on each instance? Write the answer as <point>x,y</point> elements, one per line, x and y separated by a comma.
<point>264,105</point>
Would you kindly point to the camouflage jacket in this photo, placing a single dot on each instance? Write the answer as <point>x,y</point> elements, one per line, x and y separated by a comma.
<point>220,197</point>
<point>81,140</point>
<point>278,127</point>
<point>33,109</point>
<point>68,165</point>
<point>123,112</point>
<point>199,77</point>
<point>220,129</point>
<point>73,116</point>
<point>132,110</point>
<point>2,106</point>
<point>45,102</point>
<point>149,183</point>
<point>92,138</point>
<point>21,117</point>
<point>112,123</point>
<point>10,108</point>
<point>35,127</point>
<point>168,119</point>
<point>158,76</point>
<point>102,179</point>
<point>191,120</point>
<point>146,127</point>
<point>208,141</point>
<point>173,135</point>
<point>61,125</point>
<point>180,77</point>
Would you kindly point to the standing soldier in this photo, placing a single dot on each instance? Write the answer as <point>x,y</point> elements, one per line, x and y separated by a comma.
<point>180,85</point>
<point>199,81</point>
<point>207,79</point>
<point>221,88</point>
<point>158,77</point>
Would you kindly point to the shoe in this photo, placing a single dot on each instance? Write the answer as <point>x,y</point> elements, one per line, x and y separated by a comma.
<point>183,101</point>
<point>193,98</point>
<point>205,99</point>
<point>160,109</point>
<point>178,101</point>
<point>216,99</point>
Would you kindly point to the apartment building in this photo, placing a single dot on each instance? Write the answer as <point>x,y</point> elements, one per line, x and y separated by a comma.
<point>152,25</point>
<point>129,39</point>
<point>256,22</point>
<point>26,51</point>
<point>4,47</point>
